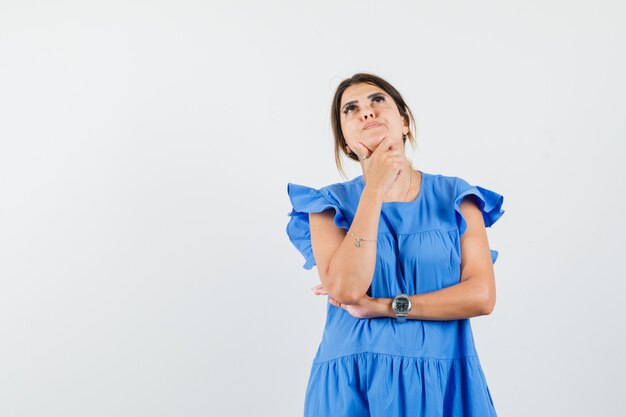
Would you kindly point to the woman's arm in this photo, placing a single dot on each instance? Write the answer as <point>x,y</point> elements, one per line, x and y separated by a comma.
<point>345,270</point>
<point>475,295</point>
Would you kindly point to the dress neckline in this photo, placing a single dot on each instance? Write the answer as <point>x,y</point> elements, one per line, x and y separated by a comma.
<point>400,203</point>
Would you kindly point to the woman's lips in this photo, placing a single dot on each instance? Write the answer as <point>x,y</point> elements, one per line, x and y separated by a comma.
<point>370,125</point>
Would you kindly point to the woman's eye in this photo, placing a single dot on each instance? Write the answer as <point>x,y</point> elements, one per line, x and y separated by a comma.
<point>376,99</point>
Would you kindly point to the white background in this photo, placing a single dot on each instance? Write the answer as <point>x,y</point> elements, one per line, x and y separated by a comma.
<point>144,158</point>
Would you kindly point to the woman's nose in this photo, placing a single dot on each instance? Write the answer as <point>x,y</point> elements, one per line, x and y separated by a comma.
<point>368,113</point>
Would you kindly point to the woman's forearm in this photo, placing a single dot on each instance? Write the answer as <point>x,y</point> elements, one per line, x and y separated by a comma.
<point>459,301</point>
<point>353,266</point>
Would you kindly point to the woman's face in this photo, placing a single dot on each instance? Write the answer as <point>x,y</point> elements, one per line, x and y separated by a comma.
<point>368,114</point>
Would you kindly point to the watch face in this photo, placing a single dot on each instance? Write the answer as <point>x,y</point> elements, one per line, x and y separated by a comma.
<point>401,305</point>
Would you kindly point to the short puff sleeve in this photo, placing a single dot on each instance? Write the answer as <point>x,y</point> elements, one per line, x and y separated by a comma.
<point>307,200</point>
<point>489,203</point>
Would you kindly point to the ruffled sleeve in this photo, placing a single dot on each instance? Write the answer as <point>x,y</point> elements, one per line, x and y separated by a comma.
<point>489,203</point>
<point>307,200</point>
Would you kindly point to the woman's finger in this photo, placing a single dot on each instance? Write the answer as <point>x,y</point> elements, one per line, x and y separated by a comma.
<point>334,302</point>
<point>319,290</point>
<point>363,152</point>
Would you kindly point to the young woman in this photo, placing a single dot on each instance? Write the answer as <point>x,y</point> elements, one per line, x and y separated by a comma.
<point>404,258</point>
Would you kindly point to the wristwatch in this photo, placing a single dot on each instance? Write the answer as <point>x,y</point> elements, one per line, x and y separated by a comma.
<point>401,304</point>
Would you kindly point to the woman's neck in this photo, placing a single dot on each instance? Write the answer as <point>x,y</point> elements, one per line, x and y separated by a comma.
<point>403,188</point>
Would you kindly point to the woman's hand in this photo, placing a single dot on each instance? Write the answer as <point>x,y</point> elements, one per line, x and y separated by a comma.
<point>366,308</point>
<point>319,290</point>
<point>384,165</point>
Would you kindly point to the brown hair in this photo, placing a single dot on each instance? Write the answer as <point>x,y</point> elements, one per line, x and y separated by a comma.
<point>335,116</point>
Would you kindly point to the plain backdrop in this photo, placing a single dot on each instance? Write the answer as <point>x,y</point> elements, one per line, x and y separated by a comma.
<point>145,152</point>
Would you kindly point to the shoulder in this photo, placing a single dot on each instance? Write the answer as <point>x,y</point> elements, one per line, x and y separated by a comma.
<point>341,191</point>
<point>337,187</point>
<point>447,185</point>
<point>314,199</point>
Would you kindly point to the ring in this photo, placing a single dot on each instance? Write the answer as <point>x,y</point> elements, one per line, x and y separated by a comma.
<point>365,157</point>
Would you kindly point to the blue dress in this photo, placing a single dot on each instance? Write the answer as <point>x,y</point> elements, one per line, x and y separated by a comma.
<point>378,367</point>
